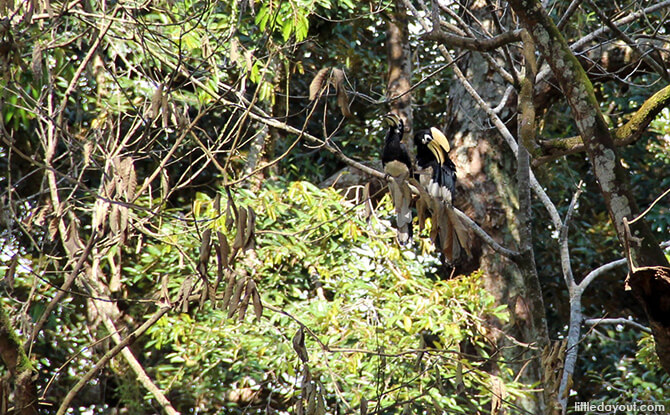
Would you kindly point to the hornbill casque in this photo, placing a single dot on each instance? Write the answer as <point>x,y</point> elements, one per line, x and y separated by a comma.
<point>437,174</point>
<point>398,168</point>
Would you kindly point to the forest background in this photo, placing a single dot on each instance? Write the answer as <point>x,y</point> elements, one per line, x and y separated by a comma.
<point>194,218</point>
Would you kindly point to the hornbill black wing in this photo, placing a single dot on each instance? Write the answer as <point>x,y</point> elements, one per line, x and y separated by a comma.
<point>398,166</point>
<point>438,177</point>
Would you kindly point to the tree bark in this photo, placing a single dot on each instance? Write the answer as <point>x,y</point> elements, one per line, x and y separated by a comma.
<point>399,73</point>
<point>486,192</point>
<point>598,141</point>
<point>19,367</point>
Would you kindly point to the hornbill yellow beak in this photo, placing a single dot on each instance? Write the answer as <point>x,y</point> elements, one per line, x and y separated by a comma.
<point>392,119</point>
<point>439,145</point>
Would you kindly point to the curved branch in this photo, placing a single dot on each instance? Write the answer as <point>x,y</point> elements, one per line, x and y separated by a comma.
<point>471,43</point>
<point>486,237</point>
<point>624,135</point>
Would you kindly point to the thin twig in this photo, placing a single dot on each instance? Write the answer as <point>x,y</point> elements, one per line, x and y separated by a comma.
<point>64,406</point>
<point>624,321</point>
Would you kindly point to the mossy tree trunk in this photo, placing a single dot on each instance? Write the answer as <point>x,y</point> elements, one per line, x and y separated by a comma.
<point>20,371</point>
<point>599,143</point>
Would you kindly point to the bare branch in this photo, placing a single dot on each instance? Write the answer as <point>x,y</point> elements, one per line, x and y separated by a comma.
<point>64,406</point>
<point>628,133</point>
<point>486,237</point>
<point>568,14</point>
<point>624,321</point>
<point>563,241</point>
<point>630,42</point>
<point>576,46</point>
<point>470,43</point>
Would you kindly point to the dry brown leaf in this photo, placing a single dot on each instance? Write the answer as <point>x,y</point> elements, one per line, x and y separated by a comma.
<point>8,280</point>
<point>205,250</point>
<point>114,219</point>
<point>258,304</point>
<point>36,61</point>
<point>364,406</point>
<point>99,214</point>
<point>53,227</point>
<point>250,231</point>
<point>165,294</point>
<point>123,221</point>
<point>235,299</point>
<point>224,249</point>
<point>241,224</point>
<point>338,78</point>
<point>318,83</point>
<point>156,100</point>
<point>234,52</point>
<point>342,97</point>
<point>204,294</point>
<point>184,293</point>
<point>230,218</point>
<point>498,395</point>
<point>165,183</point>
<point>299,345</point>
<point>343,103</point>
<point>131,179</point>
<point>228,292</point>
<point>248,293</point>
<point>72,242</point>
<point>41,215</point>
<point>461,231</point>
<point>109,189</point>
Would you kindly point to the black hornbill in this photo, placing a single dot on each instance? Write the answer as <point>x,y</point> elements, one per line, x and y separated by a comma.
<point>431,156</point>
<point>395,154</point>
<point>438,176</point>
<point>398,168</point>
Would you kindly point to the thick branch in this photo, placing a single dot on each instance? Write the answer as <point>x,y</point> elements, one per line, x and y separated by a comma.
<point>624,135</point>
<point>599,143</point>
<point>470,43</point>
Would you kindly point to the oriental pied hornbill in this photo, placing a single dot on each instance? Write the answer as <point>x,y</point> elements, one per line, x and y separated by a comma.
<point>437,174</point>
<point>431,156</point>
<point>398,168</point>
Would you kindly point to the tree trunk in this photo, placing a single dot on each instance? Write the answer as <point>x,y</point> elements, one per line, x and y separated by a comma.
<point>644,250</point>
<point>20,370</point>
<point>487,193</point>
<point>399,68</point>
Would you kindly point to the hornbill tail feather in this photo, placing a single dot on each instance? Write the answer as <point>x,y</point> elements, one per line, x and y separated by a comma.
<point>398,168</point>
<point>439,179</point>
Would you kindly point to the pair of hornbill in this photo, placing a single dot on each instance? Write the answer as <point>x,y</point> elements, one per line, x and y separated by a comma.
<point>436,175</point>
